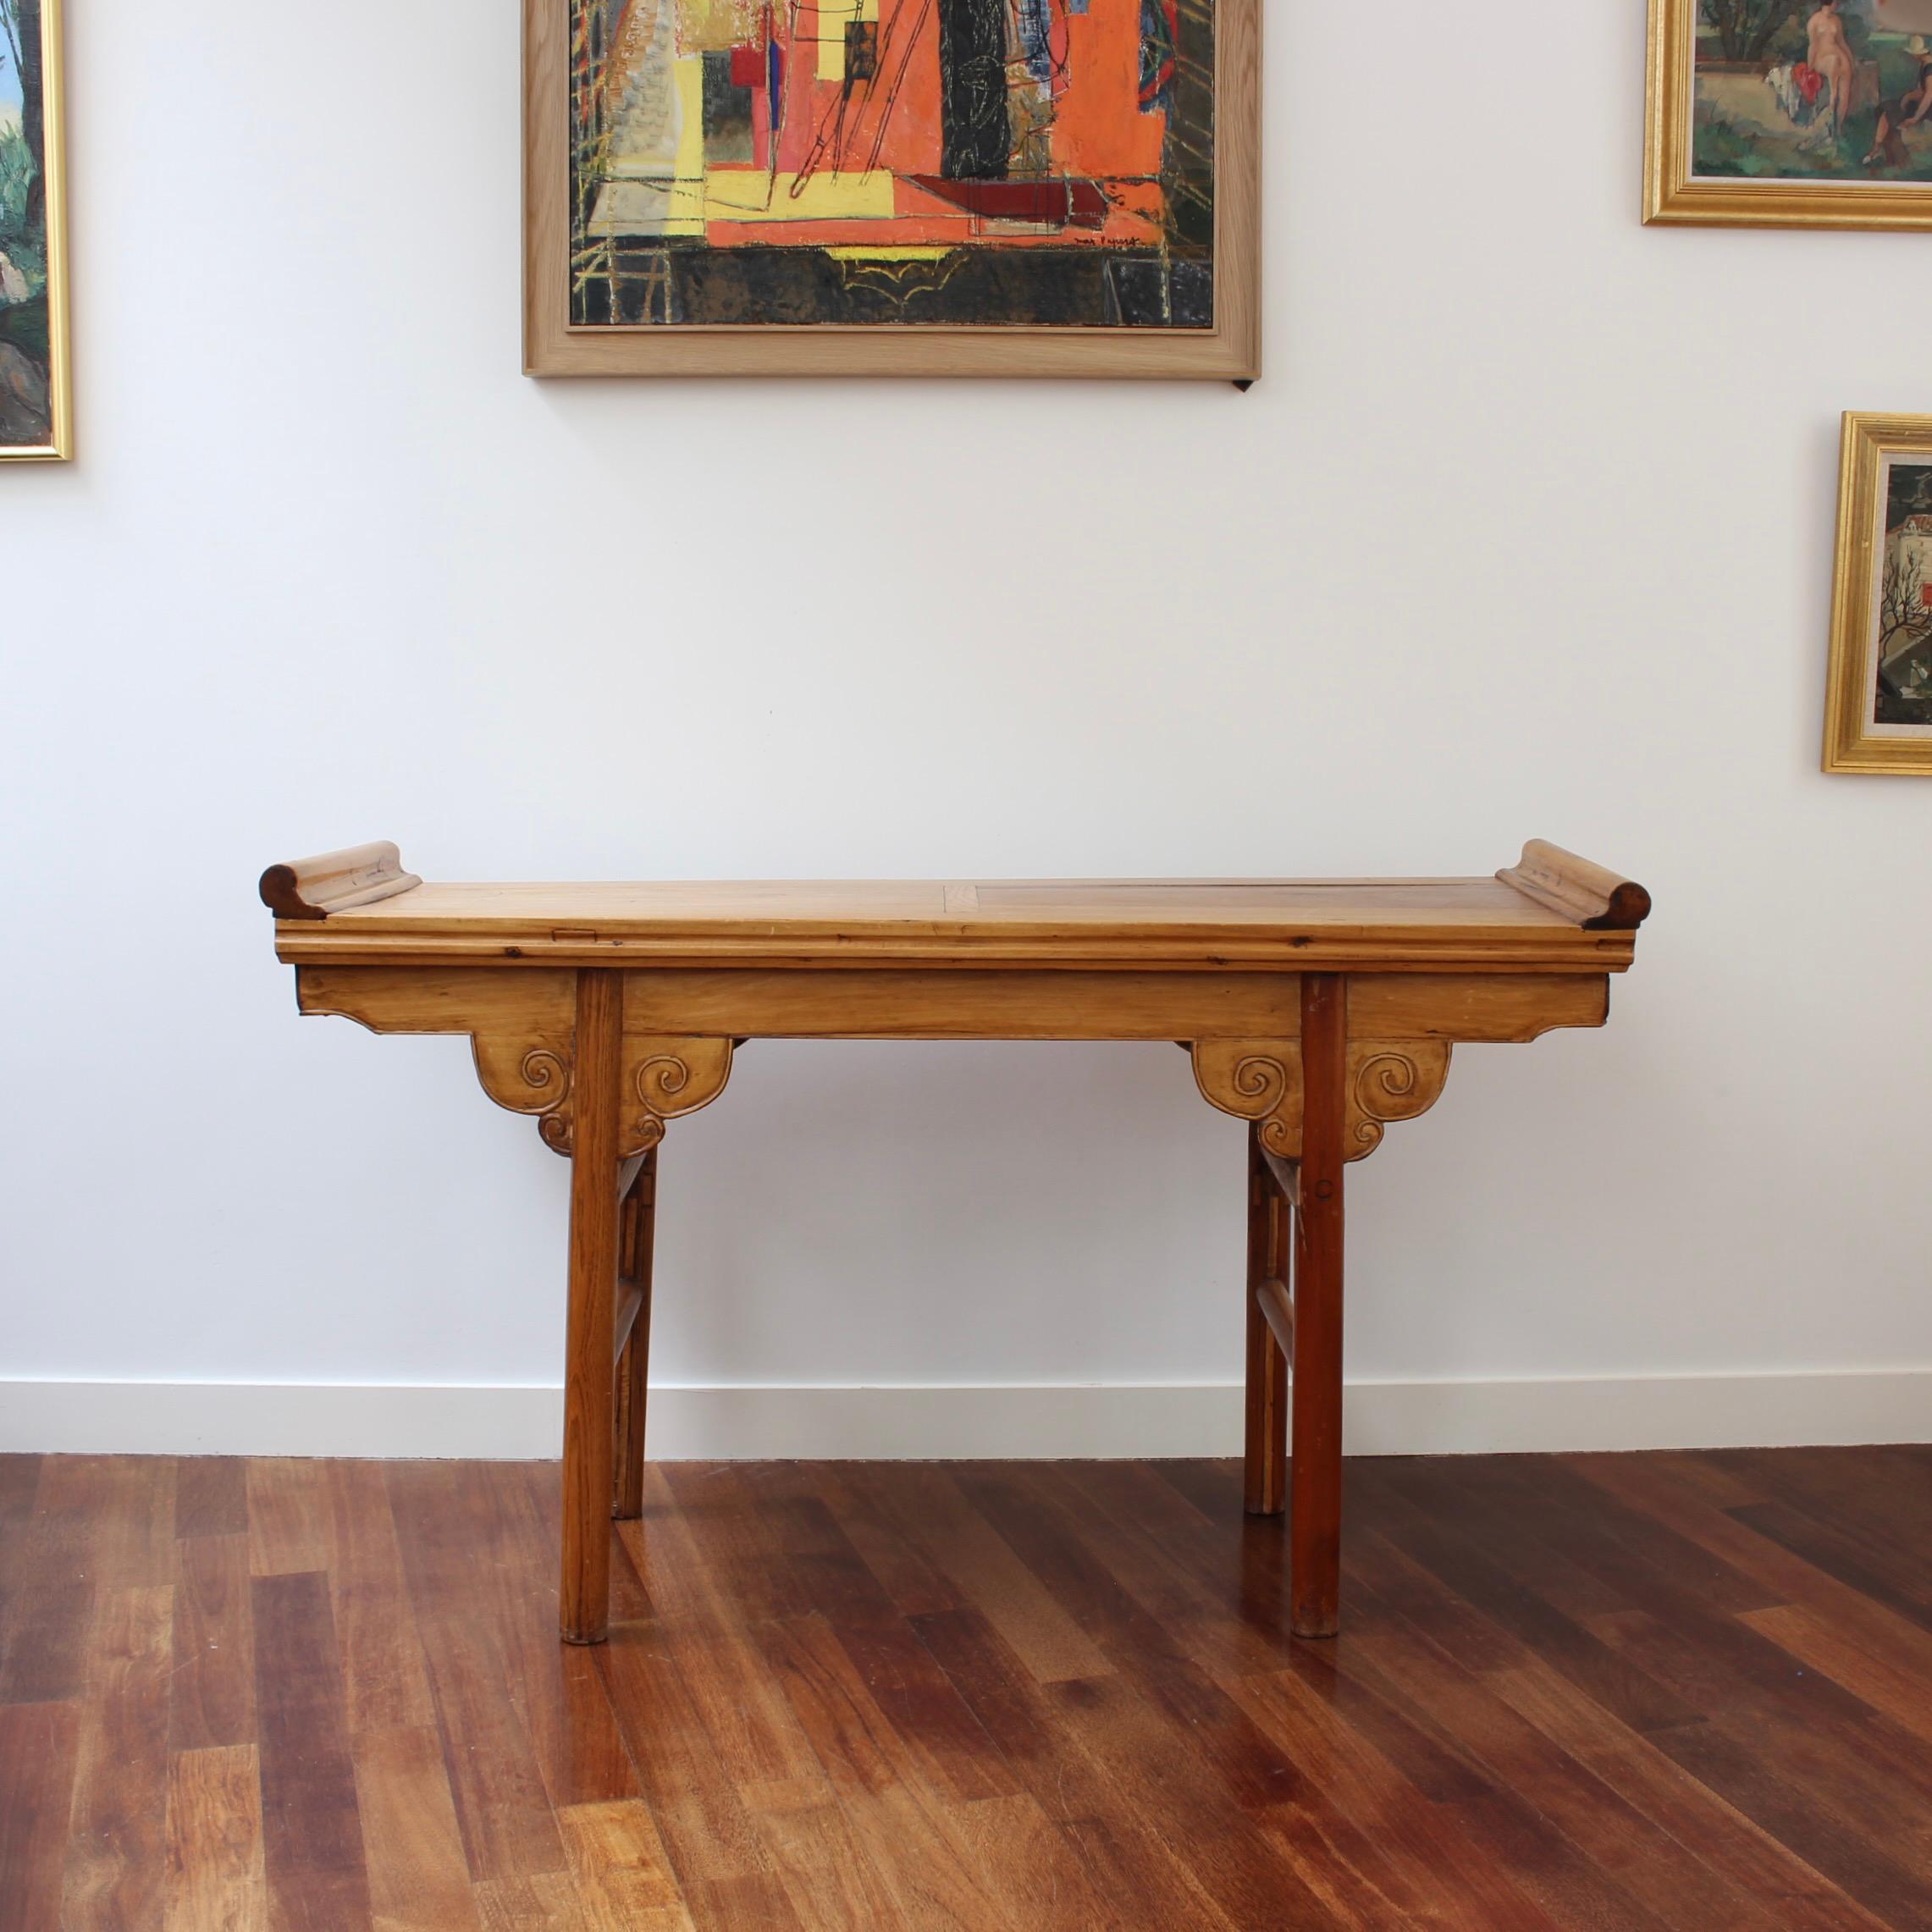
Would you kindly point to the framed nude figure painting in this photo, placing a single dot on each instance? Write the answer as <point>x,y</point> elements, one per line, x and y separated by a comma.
<point>918,187</point>
<point>1790,113</point>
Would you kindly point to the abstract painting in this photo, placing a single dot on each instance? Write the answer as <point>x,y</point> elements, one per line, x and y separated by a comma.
<point>1878,714</point>
<point>1804,111</point>
<point>1028,167</point>
<point>33,306</point>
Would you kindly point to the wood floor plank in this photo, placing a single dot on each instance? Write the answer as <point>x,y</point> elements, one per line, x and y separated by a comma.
<point>1436,1866</point>
<point>214,1875</point>
<point>1680,1490</point>
<point>1677,1692</point>
<point>50,1554</point>
<point>1884,1576</point>
<point>418,1880</point>
<point>117,1826</point>
<point>830,1883</point>
<point>557,1689</point>
<point>1793,1893</point>
<point>1157,1724</point>
<point>1903,1692</point>
<point>311,1827</point>
<point>623,1875</point>
<point>707,1832</point>
<point>124,1507</point>
<point>1043,1883</point>
<point>1663,1882</point>
<point>538,1901</point>
<point>211,1496</point>
<point>925,1509</point>
<point>1786,1891</point>
<point>386,1686</point>
<point>288,1516</point>
<point>39,1746</point>
<point>955,1756</point>
<point>211,1693</point>
<point>1123,1842</point>
<point>508,1824</point>
<point>874,1528</point>
<point>896,1819</point>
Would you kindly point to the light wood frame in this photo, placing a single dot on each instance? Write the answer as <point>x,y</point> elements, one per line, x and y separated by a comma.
<point>59,445</point>
<point>1230,352</point>
<point>1672,194</point>
<point>1852,743</point>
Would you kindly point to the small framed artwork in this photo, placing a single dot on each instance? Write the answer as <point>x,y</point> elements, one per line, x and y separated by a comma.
<point>35,411</point>
<point>892,187</point>
<point>1878,711</point>
<point>1791,114</point>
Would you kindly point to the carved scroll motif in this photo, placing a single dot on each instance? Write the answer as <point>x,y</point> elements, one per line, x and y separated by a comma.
<point>529,1076</point>
<point>664,1076</point>
<point>1261,1080</point>
<point>1258,1080</point>
<point>1390,1079</point>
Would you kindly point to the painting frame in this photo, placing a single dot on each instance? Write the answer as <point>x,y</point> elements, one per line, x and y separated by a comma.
<point>1853,742</point>
<point>1229,350</point>
<point>57,446</point>
<point>1673,193</point>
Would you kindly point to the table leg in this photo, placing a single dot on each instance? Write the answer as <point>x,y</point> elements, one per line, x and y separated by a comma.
<point>636,1240</point>
<point>1314,1523</point>
<point>589,1420</point>
<point>1265,1470</point>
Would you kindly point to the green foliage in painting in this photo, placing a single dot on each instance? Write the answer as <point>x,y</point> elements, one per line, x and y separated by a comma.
<point>16,183</point>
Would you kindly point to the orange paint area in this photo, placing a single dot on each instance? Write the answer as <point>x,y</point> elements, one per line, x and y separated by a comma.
<point>844,141</point>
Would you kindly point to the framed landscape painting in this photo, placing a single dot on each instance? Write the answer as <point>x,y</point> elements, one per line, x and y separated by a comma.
<point>34,410</point>
<point>907,187</point>
<point>1878,711</point>
<point>1790,113</point>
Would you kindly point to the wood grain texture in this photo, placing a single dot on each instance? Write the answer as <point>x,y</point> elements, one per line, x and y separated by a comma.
<point>1154,925</point>
<point>1315,1421</point>
<point>1271,1217</point>
<point>335,881</point>
<point>1316,1011</point>
<point>590,1400</point>
<point>1660,1693</point>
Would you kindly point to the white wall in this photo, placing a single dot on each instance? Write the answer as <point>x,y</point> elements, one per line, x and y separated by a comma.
<point>1527,530</point>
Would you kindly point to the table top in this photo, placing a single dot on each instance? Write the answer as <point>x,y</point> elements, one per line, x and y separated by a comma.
<point>1550,912</point>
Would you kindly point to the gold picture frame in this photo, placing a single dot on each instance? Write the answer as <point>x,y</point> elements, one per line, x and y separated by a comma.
<point>556,345</point>
<point>1870,195</point>
<point>1880,674</point>
<point>32,363</point>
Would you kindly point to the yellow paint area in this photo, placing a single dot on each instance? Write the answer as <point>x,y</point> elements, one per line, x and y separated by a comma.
<point>833,15</point>
<point>739,194</point>
<point>715,26</point>
<point>686,213</point>
<point>921,253</point>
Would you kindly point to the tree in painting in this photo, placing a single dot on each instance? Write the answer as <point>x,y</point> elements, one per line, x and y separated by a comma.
<point>979,162</point>
<point>1744,28</point>
<point>25,411</point>
<point>1905,599</point>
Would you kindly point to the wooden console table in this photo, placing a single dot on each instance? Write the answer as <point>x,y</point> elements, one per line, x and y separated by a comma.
<point>1314,1011</point>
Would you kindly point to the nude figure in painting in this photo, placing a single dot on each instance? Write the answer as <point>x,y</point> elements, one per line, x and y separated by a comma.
<point>1831,55</point>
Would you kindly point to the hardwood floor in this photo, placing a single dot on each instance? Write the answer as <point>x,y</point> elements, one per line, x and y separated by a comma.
<point>1681,1690</point>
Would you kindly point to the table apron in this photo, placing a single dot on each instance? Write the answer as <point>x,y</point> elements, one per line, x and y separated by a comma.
<point>902,1003</point>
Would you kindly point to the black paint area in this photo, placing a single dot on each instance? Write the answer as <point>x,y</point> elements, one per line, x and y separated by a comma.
<point>973,90</point>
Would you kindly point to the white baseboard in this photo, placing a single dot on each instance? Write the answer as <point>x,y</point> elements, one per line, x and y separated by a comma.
<point>1381,1418</point>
